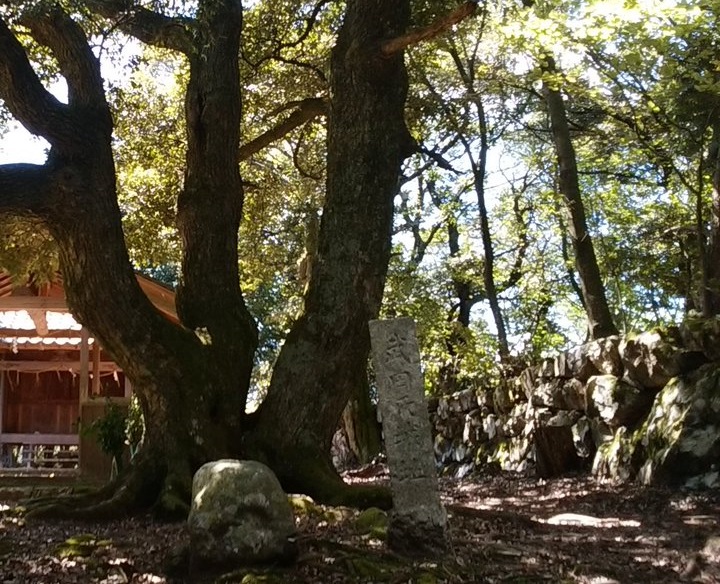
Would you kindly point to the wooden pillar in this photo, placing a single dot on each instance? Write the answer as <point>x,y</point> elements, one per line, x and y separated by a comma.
<point>128,388</point>
<point>2,409</point>
<point>84,364</point>
<point>96,369</point>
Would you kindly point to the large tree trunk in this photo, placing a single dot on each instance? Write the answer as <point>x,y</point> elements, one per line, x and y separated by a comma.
<point>600,321</point>
<point>326,352</point>
<point>209,299</point>
<point>191,381</point>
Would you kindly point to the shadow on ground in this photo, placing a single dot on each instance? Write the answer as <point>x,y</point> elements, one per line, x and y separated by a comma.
<point>504,528</point>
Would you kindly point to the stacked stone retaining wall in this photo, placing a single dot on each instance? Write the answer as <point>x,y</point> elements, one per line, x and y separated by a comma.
<point>643,407</point>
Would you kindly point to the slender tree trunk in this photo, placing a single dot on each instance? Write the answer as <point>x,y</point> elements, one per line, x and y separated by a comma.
<point>489,265</point>
<point>462,287</point>
<point>326,351</point>
<point>448,381</point>
<point>600,321</point>
<point>479,170</point>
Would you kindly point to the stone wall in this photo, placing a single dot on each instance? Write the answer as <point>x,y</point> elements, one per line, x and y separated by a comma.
<point>643,407</point>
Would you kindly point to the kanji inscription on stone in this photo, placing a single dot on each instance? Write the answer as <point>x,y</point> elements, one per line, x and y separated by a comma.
<point>418,522</point>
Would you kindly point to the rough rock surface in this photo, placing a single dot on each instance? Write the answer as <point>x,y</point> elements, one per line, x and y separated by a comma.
<point>682,432</point>
<point>239,516</point>
<point>418,522</point>
<point>641,407</point>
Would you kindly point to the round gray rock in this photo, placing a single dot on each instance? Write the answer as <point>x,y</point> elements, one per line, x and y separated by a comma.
<point>239,515</point>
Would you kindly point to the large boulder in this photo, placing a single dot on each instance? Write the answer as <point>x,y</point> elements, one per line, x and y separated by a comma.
<point>652,358</point>
<point>681,437</point>
<point>616,402</point>
<point>239,516</point>
<point>559,394</point>
<point>604,354</point>
<point>555,452</point>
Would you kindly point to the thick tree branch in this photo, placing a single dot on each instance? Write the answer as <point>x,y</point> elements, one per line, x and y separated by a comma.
<point>148,26</point>
<point>307,109</point>
<point>81,69</point>
<point>24,188</point>
<point>438,27</point>
<point>24,95</point>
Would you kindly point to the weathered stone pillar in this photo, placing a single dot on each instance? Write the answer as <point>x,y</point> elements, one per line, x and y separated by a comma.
<point>418,523</point>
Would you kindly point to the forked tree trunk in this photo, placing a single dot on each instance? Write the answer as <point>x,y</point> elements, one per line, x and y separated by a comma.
<point>326,352</point>
<point>191,386</point>
<point>192,380</point>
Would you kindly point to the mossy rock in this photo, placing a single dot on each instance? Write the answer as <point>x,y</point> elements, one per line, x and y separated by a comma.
<point>373,522</point>
<point>613,459</point>
<point>680,438</point>
<point>304,506</point>
<point>81,546</point>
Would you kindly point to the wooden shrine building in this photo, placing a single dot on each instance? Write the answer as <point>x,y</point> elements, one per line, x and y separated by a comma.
<point>55,378</point>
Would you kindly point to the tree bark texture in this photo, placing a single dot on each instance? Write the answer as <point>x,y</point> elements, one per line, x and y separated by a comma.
<point>360,423</point>
<point>189,379</point>
<point>326,351</point>
<point>209,298</point>
<point>600,320</point>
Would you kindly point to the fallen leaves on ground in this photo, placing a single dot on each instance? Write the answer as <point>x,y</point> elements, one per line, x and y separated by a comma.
<point>503,528</point>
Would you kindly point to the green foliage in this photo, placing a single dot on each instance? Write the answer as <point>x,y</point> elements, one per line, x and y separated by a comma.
<point>27,250</point>
<point>150,155</point>
<point>109,431</point>
<point>134,425</point>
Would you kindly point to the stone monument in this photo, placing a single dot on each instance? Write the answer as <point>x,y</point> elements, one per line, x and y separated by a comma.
<point>418,522</point>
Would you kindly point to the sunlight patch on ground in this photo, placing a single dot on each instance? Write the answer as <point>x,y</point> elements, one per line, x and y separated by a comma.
<point>492,502</point>
<point>699,520</point>
<point>587,521</point>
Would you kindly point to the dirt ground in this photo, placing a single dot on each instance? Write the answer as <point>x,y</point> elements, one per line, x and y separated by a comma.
<point>503,528</point>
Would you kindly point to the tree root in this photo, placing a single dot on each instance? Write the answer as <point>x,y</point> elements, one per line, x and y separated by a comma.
<point>317,478</point>
<point>144,486</point>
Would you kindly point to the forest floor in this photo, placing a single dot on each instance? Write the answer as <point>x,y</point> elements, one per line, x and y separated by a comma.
<point>503,528</point>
